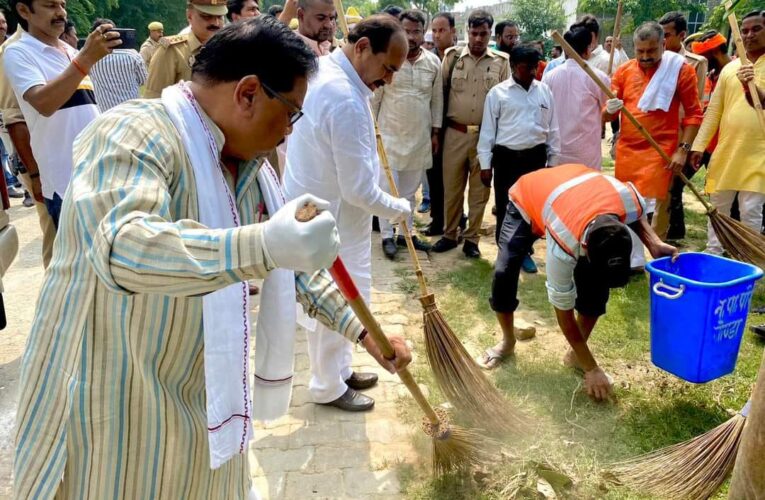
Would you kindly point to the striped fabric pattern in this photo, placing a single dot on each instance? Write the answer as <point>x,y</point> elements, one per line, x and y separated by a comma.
<point>117,78</point>
<point>112,402</point>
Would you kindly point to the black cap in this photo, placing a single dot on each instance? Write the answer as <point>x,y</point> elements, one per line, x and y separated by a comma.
<point>609,248</point>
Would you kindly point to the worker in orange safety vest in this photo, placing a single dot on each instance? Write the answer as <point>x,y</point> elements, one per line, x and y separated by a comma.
<point>584,215</point>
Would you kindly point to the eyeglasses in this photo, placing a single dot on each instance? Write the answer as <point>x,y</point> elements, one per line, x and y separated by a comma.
<point>295,114</point>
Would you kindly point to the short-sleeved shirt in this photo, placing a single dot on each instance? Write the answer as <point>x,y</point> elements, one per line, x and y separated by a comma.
<point>118,77</point>
<point>471,80</point>
<point>171,63</point>
<point>9,105</point>
<point>148,48</point>
<point>30,63</point>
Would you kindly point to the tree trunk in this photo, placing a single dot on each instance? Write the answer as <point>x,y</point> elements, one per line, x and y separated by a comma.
<point>748,481</point>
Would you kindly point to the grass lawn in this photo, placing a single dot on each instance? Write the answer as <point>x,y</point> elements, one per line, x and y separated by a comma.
<point>575,436</point>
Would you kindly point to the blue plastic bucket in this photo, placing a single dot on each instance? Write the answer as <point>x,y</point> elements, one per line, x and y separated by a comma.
<point>699,306</point>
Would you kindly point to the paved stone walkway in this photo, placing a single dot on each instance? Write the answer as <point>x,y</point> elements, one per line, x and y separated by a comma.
<point>321,452</point>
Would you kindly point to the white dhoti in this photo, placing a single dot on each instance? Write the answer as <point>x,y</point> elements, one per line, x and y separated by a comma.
<point>331,355</point>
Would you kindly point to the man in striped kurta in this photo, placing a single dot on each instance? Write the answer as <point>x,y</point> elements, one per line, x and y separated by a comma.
<point>113,400</point>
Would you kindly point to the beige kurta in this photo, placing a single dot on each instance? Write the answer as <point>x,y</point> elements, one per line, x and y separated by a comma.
<point>112,378</point>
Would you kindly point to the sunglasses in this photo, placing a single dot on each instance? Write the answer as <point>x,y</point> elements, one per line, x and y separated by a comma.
<point>295,114</point>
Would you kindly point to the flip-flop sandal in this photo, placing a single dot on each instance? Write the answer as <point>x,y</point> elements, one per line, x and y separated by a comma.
<point>491,358</point>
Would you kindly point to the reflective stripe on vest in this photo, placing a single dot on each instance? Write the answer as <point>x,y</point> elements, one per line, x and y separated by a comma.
<point>555,225</point>
<point>632,211</point>
<point>563,234</point>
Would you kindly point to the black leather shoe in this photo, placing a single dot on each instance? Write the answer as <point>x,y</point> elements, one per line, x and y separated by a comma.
<point>418,244</point>
<point>389,248</point>
<point>444,245</point>
<point>471,250</point>
<point>352,401</point>
<point>361,381</point>
<point>434,230</point>
<point>758,330</point>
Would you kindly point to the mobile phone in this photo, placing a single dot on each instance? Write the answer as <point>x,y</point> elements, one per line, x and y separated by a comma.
<point>128,37</point>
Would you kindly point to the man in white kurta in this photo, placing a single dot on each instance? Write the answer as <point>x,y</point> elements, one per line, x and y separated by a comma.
<point>332,154</point>
<point>409,113</point>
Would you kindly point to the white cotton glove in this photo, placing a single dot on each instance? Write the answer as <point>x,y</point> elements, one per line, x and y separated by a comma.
<point>301,246</point>
<point>614,105</point>
<point>404,209</point>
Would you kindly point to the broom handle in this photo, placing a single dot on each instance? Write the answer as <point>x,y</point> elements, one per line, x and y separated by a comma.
<point>388,174</point>
<point>351,293</point>
<point>573,55</point>
<point>404,225</point>
<point>742,56</point>
<point>617,35</point>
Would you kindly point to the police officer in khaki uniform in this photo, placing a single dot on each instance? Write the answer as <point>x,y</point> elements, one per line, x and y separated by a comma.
<point>173,60</point>
<point>469,73</point>
<point>150,46</point>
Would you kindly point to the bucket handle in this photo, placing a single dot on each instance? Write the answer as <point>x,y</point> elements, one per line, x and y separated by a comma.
<point>660,287</point>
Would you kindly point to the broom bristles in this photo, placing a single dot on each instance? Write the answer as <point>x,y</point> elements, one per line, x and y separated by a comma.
<point>739,240</point>
<point>459,449</point>
<point>694,469</point>
<point>463,382</point>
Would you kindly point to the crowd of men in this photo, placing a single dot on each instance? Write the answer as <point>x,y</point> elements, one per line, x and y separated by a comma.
<point>147,168</point>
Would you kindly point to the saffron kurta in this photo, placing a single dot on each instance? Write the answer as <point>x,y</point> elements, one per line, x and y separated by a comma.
<point>113,387</point>
<point>738,162</point>
<point>636,160</point>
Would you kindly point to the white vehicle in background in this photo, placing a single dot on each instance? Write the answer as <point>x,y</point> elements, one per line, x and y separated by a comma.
<point>9,244</point>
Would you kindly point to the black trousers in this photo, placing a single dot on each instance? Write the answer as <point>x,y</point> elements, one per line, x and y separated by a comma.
<point>509,165</point>
<point>515,241</point>
<point>436,183</point>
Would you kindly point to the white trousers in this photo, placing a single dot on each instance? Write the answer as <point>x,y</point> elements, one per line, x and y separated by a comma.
<point>331,354</point>
<point>407,182</point>
<point>637,259</point>
<point>749,205</point>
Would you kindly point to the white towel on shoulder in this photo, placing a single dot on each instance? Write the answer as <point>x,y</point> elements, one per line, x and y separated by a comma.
<point>661,89</point>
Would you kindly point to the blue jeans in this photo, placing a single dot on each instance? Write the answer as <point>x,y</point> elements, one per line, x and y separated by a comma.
<point>54,208</point>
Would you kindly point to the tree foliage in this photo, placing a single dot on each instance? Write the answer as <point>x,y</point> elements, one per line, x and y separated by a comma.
<point>718,20</point>
<point>125,13</point>
<point>637,12</point>
<point>537,18</point>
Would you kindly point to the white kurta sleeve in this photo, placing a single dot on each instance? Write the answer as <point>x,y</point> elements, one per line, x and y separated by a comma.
<point>354,152</point>
<point>553,136</point>
<point>488,136</point>
<point>437,100</point>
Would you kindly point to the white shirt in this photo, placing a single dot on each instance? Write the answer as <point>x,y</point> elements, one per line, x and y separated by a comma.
<point>518,119</point>
<point>408,110</point>
<point>118,77</point>
<point>578,105</point>
<point>30,63</point>
<point>332,154</point>
<point>599,59</point>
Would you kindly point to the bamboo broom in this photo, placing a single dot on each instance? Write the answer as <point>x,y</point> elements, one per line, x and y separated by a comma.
<point>739,240</point>
<point>693,469</point>
<point>454,448</point>
<point>617,35</point>
<point>457,374</point>
<point>741,50</point>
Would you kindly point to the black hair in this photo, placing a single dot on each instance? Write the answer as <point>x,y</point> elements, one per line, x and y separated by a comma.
<point>379,29</point>
<point>446,15</point>
<point>525,53</point>
<point>500,27</point>
<point>479,17</point>
<point>579,39</point>
<point>234,7</point>
<point>69,26</point>
<point>277,55</point>
<point>589,22</point>
<point>392,10</point>
<point>275,10</point>
<point>13,8</point>
<point>649,30</point>
<point>676,18</point>
<point>414,15</point>
<point>754,13</point>
<point>98,22</point>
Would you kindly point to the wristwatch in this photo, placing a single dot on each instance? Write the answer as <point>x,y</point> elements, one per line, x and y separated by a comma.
<point>685,147</point>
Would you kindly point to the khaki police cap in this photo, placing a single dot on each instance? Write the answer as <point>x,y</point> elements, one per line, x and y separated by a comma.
<point>211,7</point>
<point>154,26</point>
